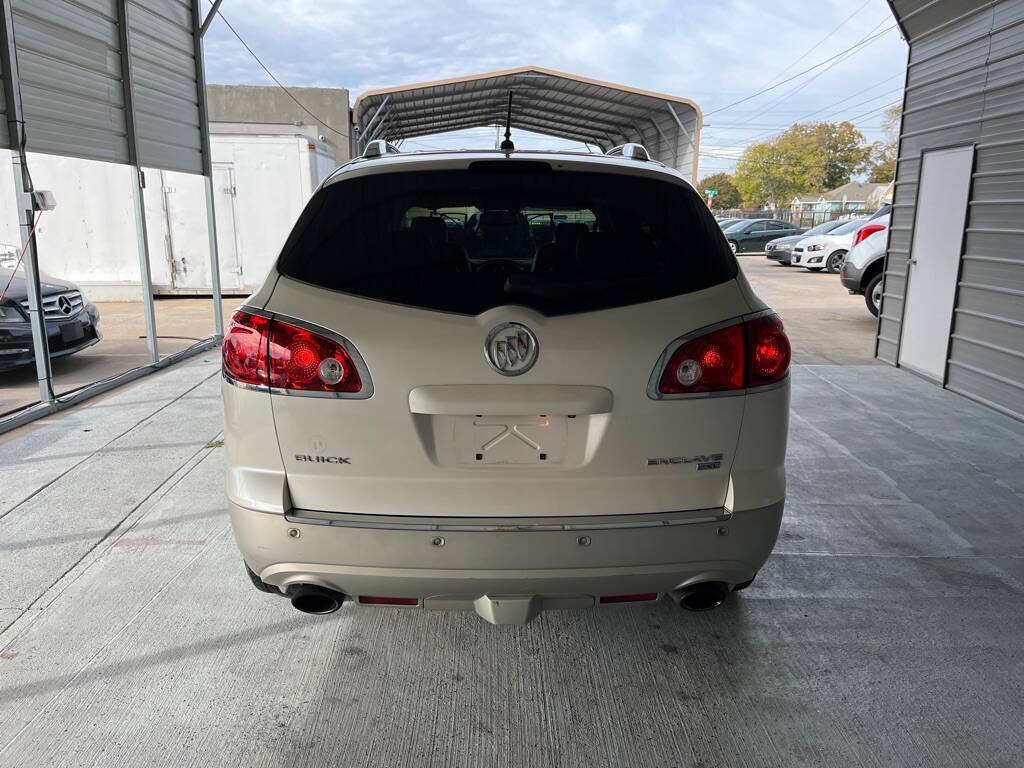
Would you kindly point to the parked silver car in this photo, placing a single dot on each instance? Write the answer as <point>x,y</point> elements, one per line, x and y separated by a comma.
<point>862,270</point>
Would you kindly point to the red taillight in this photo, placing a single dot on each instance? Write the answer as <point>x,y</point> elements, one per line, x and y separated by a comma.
<point>768,351</point>
<point>711,363</point>
<point>377,600</point>
<point>305,361</point>
<point>749,354</point>
<point>244,352</point>
<point>866,232</point>
<point>261,352</point>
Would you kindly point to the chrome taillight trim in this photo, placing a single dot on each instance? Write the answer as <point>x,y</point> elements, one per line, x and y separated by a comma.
<point>357,359</point>
<point>652,384</point>
<point>364,373</point>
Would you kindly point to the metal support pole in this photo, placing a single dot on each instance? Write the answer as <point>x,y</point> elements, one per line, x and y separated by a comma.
<point>26,206</point>
<point>365,133</point>
<point>204,130</point>
<point>41,348</point>
<point>211,228</point>
<point>145,276</point>
<point>138,184</point>
<point>680,124</point>
<point>209,17</point>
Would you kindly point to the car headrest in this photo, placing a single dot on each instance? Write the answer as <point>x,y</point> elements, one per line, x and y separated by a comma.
<point>568,232</point>
<point>431,227</point>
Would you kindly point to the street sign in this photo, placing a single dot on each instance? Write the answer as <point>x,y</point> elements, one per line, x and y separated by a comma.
<point>712,193</point>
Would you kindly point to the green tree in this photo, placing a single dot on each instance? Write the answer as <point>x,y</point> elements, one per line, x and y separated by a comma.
<point>728,196</point>
<point>808,157</point>
<point>843,149</point>
<point>762,175</point>
<point>881,161</point>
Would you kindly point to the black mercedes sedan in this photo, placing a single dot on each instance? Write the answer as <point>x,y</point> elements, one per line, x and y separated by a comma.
<point>72,323</point>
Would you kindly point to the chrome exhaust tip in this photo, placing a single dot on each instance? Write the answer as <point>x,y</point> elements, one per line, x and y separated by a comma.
<point>312,598</point>
<point>703,596</point>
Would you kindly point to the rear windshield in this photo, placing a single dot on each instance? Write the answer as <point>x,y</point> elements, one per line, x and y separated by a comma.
<point>468,240</point>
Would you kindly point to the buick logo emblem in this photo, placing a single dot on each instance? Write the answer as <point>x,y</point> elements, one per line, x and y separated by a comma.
<point>64,305</point>
<point>511,349</point>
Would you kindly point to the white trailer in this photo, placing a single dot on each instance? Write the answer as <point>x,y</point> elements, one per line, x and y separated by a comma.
<point>262,177</point>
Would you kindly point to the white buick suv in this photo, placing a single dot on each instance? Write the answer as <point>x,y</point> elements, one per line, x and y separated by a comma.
<point>505,382</point>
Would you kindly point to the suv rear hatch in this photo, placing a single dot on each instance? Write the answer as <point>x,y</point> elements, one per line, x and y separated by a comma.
<point>507,318</point>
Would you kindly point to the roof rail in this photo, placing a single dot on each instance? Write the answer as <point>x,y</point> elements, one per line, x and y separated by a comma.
<point>630,150</point>
<point>379,148</point>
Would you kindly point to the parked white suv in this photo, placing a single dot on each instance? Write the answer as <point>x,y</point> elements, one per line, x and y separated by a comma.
<point>505,383</point>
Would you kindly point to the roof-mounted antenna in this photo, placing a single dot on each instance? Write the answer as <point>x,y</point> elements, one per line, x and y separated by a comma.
<point>507,145</point>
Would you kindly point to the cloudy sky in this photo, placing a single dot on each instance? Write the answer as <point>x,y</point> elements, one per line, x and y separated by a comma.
<point>715,53</point>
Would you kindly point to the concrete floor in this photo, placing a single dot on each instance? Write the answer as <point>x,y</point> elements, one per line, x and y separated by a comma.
<point>886,629</point>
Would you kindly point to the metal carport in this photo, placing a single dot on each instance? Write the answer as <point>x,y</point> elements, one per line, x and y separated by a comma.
<point>118,81</point>
<point>545,101</point>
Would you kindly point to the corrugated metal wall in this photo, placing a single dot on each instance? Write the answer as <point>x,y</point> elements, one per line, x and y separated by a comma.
<point>965,84</point>
<point>70,70</point>
<point>72,87</point>
<point>164,74</point>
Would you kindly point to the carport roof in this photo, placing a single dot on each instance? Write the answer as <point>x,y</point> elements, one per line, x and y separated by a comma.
<point>545,101</point>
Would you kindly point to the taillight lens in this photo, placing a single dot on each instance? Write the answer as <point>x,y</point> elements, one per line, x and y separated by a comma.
<point>244,352</point>
<point>262,352</point>
<point>866,232</point>
<point>305,361</point>
<point>710,363</point>
<point>748,354</point>
<point>768,352</point>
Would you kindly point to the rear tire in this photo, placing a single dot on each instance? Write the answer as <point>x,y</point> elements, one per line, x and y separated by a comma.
<point>835,262</point>
<point>735,248</point>
<point>873,294</point>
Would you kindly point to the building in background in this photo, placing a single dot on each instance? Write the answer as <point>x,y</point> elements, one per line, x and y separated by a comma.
<point>326,117</point>
<point>266,163</point>
<point>856,197</point>
<point>953,300</point>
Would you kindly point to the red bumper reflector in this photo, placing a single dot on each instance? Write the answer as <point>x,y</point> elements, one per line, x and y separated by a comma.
<point>377,600</point>
<point>643,597</point>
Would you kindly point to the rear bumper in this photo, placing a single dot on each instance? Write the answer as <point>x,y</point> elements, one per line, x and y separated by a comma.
<point>448,563</point>
<point>851,277</point>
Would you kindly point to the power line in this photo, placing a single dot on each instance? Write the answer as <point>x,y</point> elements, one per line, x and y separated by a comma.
<point>877,109</point>
<point>863,42</point>
<point>815,46</point>
<point>280,85</point>
<point>770,131</point>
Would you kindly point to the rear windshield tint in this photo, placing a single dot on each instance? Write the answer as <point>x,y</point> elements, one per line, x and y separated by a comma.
<point>468,240</point>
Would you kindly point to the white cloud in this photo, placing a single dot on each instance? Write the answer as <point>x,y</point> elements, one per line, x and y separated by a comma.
<point>711,52</point>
